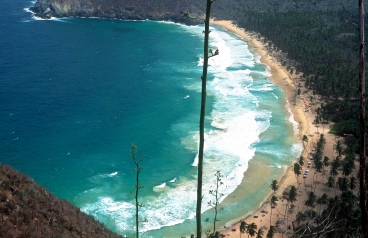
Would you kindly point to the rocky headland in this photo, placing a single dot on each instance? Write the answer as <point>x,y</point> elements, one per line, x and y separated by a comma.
<point>169,10</point>
<point>113,9</point>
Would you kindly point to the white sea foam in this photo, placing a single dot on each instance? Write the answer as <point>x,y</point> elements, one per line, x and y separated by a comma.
<point>263,88</point>
<point>97,178</point>
<point>297,148</point>
<point>112,174</point>
<point>291,119</point>
<point>159,188</point>
<point>195,162</point>
<point>237,123</point>
<point>34,17</point>
<point>161,185</point>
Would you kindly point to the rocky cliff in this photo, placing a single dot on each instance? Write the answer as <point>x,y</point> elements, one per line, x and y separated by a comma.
<point>119,9</point>
<point>169,10</point>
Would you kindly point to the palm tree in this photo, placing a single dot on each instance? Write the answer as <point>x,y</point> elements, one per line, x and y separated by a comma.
<point>343,184</point>
<point>319,165</point>
<point>274,186</point>
<point>322,200</point>
<point>338,148</point>
<point>291,199</point>
<point>330,183</point>
<point>305,139</point>
<point>243,227</point>
<point>251,229</point>
<point>347,168</point>
<point>274,199</point>
<point>311,199</point>
<point>316,122</point>
<point>335,167</point>
<point>292,194</point>
<point>260,233</point>
<point>326,162</point>
<point>271,232</point>
<point>301,161</point>
<point>353,182</point>
<point>297,171</point>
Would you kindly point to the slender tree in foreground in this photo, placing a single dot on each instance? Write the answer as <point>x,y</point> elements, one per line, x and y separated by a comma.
<point>206,56</point>
<point>217,196</point>
<point>362,121</point>
<point>202,116</point>
<point>362,144</point>
<point>135,190</point>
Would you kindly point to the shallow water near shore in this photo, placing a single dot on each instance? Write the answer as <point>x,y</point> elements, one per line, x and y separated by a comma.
<point>76,93</point>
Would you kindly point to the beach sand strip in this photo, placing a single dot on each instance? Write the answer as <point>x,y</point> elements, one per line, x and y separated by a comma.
<point>298,104</point>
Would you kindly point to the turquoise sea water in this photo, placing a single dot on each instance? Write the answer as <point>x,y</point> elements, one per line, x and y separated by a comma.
<point>76,93</point>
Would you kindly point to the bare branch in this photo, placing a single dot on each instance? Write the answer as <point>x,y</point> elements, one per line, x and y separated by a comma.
<point>352,23</point>
<point>214,53</point>
<point>186,14</point>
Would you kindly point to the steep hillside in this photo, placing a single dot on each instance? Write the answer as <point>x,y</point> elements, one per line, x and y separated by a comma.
<point>169,9</point>
<point>28,210</point>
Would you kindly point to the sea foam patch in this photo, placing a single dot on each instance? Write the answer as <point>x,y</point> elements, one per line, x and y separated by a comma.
<point>236,125</point>
<point>236,122</point>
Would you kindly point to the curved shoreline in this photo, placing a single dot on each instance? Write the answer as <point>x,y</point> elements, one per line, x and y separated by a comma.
<point>285,81</point>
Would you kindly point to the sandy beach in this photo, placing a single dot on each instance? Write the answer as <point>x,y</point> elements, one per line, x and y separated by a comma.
<point>298,104</point>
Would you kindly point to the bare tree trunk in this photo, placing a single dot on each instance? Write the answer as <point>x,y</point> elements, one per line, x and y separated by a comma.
<point>271,215</point>
<point>362,167</point>
<point>201,121</point>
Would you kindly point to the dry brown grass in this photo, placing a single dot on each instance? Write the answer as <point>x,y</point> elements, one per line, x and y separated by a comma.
<point>29,210</point>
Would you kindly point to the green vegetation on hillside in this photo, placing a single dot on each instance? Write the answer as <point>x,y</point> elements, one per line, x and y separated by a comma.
<point>325,50</point>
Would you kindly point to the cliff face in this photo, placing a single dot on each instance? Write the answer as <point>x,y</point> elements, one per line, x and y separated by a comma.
<point>120,9</point>
<point>169,10</point>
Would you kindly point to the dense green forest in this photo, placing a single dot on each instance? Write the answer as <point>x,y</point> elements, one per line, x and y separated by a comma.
<point>324,51</point>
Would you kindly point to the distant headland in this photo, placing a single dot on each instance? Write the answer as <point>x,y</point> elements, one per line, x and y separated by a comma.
<point>159,10</point>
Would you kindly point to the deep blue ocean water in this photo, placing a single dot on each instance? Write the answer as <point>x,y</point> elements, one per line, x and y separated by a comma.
<point>76,93</point>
